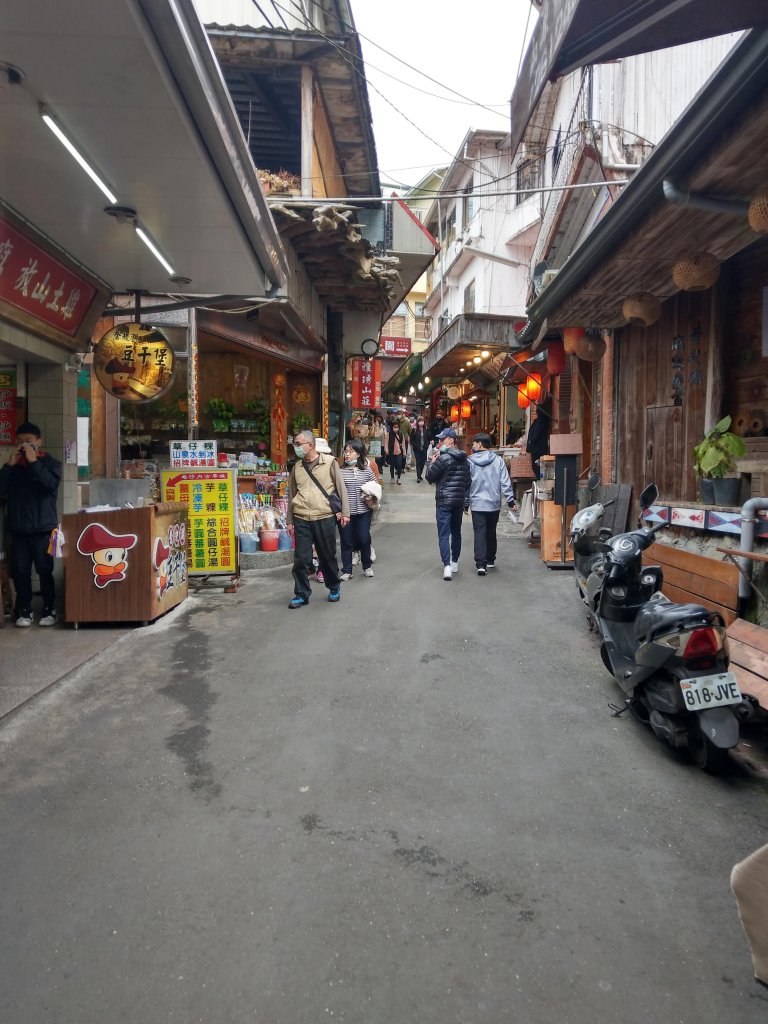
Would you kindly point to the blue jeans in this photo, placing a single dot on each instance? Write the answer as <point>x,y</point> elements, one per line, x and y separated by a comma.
<point>449,532</point>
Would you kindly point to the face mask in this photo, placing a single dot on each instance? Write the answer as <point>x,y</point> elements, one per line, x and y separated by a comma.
<point>350,462</point>
<point>300,453</point>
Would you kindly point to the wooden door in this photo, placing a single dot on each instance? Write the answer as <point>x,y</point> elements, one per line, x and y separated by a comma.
<point>664,458</point>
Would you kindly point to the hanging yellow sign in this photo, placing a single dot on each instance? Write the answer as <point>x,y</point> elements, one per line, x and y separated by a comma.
<point>134,362</point>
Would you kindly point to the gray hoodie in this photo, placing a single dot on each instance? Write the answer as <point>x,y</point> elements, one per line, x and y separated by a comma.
<point>489,481</point>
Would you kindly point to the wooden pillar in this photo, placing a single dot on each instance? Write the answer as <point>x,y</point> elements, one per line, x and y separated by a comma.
<point>713,401</point>
<point>307,90</point>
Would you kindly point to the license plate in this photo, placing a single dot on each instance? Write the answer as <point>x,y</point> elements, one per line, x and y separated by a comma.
<point>710,691</point>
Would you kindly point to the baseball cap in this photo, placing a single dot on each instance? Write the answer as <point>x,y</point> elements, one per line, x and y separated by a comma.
<point>446,433</point>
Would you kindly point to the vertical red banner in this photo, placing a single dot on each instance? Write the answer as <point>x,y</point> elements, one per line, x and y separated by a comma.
<point>7,406</point>
<point>366,384</point>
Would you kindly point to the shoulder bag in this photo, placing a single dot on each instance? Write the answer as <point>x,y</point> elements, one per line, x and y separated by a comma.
<point>333,499</point>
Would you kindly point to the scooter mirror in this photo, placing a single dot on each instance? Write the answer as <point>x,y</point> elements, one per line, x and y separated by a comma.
<point>649,496</point>
<point>594,481</point>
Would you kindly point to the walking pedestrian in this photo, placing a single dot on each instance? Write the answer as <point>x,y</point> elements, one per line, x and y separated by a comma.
<point>438,426</point>
<point>395,452</point>
<point>489,483</point>
<point>449,470</point>
<point>317,501</point>
<point>377,439</point>
<point>30,483</point>
<point>356,534</point>
<point>419,443</point>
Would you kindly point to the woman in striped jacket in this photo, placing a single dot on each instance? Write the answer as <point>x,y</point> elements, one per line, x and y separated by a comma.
<point>356,535</point>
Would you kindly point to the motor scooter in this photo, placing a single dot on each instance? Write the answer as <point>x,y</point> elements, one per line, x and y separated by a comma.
<point>587,538</point>
<point>669,660</point>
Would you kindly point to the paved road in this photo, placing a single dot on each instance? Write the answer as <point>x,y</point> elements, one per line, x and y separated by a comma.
<point>409,807</point>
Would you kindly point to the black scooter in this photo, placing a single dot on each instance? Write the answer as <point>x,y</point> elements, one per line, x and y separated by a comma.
<point>587,538</point>
<point>670,660</point>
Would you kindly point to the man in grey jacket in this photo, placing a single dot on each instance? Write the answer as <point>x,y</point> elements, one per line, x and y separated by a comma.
<point>489,483</point>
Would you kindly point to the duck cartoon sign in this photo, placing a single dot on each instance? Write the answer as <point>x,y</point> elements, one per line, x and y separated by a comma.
<point>108,551</point>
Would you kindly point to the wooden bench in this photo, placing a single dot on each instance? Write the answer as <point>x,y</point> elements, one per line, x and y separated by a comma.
<point>748,645</point>
<point>689,577</point>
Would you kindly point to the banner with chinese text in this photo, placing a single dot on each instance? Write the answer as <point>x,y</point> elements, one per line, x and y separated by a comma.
<point>395,347</point>
<point>194,454</point>
<point>7,405</point>
<point>366,384</point>
<point>210,497</point>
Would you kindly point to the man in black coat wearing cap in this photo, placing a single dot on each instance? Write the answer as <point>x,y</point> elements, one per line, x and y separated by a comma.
<point>449,471</point>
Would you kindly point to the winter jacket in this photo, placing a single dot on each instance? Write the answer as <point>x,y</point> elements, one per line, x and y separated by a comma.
<point>420,439</point>
<point>450,472</point>
<point>31,491</point>
<point>490,480</point>
<point>306,500</point>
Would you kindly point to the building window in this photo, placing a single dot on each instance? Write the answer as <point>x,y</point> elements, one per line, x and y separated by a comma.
<point>419,309</point>
<point>449,228</point>
<point>468,202</point>
<point>527,177</point>
<point>469,298</point>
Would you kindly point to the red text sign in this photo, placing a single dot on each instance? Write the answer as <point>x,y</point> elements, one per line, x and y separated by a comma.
<point>7,406</point>
<point>366,384</point>
<point>39,285</point>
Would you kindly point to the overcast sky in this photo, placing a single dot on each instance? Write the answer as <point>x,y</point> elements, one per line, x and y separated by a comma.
<point>473,48</point>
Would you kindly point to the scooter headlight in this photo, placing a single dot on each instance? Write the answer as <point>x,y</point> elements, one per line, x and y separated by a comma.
<point>617,591</point>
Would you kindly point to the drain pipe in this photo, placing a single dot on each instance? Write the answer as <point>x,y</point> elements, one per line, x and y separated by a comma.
<point>606,163</point>
<point>716,204</point>
<point>748,520</point>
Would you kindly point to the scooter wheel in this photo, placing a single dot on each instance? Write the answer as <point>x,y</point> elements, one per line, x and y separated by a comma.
<point>704,754</point>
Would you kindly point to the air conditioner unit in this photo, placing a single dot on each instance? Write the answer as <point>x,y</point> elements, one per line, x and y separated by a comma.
<point>548,277</point>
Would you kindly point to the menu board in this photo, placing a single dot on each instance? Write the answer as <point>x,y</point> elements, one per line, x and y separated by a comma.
<point>210,497</point>
<point>194,454</point>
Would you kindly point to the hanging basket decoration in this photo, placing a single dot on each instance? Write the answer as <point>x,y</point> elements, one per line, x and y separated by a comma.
<point>758,213</point>
<point>533,387</point>
<point>555,358</point>
<point>571,337</point>
<point>696,273</point>
<point>641,309</point>
<point>523,400</point>
<point>591,348</point>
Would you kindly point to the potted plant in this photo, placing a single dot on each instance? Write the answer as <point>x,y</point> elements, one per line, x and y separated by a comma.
<point>221,412</point>
<point>713,458</point>
<point>301,422</point>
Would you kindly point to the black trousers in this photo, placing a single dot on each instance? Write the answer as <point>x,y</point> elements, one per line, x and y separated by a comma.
<point>321,533</point>
<point>356,535</point>
<point>484,525</point>
<point>396,464</point>
<point>32,549</point>
<point>421,461</point>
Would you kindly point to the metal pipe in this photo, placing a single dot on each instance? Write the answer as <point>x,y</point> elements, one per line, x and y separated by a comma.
<point>605,156</point>
<point>748,519</point>
<point>699,201</point>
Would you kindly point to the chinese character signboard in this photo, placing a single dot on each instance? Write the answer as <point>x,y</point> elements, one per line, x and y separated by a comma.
<point>395,347</point>
<point>210,497</point>
<point>7,405</point>
<point>366,384</point>
<point>134,362</point>
<point>39,285</point>
<point>194,455</point>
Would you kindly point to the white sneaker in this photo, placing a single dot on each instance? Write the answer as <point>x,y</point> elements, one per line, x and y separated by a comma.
<point>355,557</point>
<point>491,565</point>
<point>368,572</point>
<point>346,576</point>
<point>447,573</point>
<point>481,571</point>
<point>373,554</point>
<point>24,620</point>
<point>48,620</point>
<point>454,566</point>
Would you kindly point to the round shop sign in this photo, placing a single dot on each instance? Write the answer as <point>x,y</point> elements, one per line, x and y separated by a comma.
<point>134,362</point>
<point>279,380</point>
<point>302,395</point>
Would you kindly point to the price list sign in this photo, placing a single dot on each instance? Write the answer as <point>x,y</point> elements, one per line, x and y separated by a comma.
<point>194,455</point>
<point>210,497</point>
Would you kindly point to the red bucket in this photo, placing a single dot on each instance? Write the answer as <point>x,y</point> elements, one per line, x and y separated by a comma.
<point>269,539</point>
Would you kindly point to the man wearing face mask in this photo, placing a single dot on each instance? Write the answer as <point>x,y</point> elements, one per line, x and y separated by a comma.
<point>317,501</point>
<point>449,471</point>
<point>30,482</point>
<point>420,439</point>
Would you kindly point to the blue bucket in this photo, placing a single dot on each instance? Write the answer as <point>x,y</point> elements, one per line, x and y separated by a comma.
<point>249,543</point>
<point>284,541</point>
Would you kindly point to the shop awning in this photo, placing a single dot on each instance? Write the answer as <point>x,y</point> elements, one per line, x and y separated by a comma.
<point>574,33</point>
<point>718,149</point>
<point>469,337</point>
<point>407,375</point>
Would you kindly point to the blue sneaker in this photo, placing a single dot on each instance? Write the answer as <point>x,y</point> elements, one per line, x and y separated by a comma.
<point>334,595</point>
<point>297,602</point>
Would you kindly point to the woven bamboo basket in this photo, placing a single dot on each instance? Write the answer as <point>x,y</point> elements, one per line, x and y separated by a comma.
<point>758,213</point>
<point>641,309</point>
<point>590,348</point>
<point>696,273</point>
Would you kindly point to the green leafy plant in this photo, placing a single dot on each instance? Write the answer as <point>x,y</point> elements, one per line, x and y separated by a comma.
<point>716,454</point>
<point>301,422</point>
<point>220,408</point>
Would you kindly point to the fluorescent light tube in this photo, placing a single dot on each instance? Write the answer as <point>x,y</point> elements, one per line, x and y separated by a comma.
<point>78,156</point>
<point>153,249</point>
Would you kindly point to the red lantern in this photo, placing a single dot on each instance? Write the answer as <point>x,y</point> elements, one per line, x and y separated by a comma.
<point>466,409</point>
<point>522,398</point>
<point>555,357</point>
<point>454,413</point>
<point>533,387</point>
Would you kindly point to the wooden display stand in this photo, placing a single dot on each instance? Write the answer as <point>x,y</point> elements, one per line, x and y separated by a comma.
<point>555,520</point>
<point>125,565</point>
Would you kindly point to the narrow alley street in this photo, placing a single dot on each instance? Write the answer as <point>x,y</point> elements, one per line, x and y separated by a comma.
<point>413,806</point>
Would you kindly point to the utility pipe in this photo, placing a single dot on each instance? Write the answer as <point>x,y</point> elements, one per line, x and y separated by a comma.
<point>605,157</point>
<point>748,520</point>
<point>715,204</point>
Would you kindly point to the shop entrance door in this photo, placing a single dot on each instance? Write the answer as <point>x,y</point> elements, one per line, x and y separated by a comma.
<point>664,456</point>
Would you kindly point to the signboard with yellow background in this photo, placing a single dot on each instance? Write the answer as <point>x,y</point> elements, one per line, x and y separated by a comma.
<point>210,497</point>
<point>134,362</point>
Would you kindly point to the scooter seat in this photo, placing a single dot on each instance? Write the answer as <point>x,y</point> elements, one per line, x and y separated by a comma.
<point>659,616</point>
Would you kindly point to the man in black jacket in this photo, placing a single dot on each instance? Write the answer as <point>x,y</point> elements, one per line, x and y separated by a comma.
<point>30,482</point>
<point>449,470</point>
